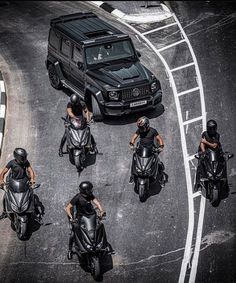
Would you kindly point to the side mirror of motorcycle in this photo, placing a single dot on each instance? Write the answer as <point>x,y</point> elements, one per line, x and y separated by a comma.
<point>230,156</point>
<point>35,186</point>
<point>138,53</point>
<point>196,156</point>
<point>80,65</point>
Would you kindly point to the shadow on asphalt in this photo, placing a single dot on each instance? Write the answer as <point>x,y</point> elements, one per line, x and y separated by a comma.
<point>105,262</point>
<point>34,224</point>
<point>129,119</point>
<point>155,187</point>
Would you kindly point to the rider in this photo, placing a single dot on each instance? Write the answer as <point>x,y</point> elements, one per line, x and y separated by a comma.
<point>20,169</point>
<point>210,139</point>
<point>75,109</point>
<point>83,204</point>
<point>147,136</point>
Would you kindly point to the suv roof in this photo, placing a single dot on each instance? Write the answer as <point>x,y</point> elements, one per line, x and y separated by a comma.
<point>85,27</point>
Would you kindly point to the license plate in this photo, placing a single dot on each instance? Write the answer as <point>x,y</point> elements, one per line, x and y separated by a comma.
<point>138,103</point>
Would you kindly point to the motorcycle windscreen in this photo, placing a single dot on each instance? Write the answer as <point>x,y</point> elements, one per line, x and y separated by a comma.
<point>145,163</point>
<point>79,137</point>
<point>19,186</point>
<point>19,201</point>
<point>144,152</point>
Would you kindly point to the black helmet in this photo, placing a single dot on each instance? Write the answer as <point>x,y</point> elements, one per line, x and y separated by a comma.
<point>86,188</point>
<point>75,99</point>
<point>20,155</point>
<point>211,127</point>
<point>143,124</point>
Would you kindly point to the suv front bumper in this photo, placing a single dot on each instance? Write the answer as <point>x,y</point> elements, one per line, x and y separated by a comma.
<point>118,108</point>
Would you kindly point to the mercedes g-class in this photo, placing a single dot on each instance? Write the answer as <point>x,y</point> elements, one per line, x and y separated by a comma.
<point>101,64</point>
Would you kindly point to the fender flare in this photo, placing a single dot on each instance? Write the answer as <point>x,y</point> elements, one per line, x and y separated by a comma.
<point>95,92</point>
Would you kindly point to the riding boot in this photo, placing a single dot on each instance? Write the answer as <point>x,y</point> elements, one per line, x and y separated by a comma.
<point>63,140</point>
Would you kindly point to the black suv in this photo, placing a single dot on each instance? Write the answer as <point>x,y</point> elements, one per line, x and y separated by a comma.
<point>100,63</point>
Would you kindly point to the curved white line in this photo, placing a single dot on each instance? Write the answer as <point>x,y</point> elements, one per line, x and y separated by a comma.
<point>203,201</point>
<point>187,252</point>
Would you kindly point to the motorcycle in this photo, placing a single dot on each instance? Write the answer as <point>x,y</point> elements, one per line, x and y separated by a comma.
<point>146,169</point>
<point>78,137</point>
<point>20,203</point>
<point>214,181</point>
<point>91,243</point>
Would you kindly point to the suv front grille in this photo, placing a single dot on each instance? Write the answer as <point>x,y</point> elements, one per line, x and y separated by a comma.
<point>127,94</point>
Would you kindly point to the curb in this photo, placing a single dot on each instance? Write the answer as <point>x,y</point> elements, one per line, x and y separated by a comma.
<point>3,106</point>
<point>135,18</point>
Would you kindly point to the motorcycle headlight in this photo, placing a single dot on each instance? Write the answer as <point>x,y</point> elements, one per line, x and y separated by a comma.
<point>25,206</point>
<point>209,174</point>
<point>14,207</point>
<point>138,169</point>
<point>154,86</point>
<point>113,95</point>
<point>99,245</point>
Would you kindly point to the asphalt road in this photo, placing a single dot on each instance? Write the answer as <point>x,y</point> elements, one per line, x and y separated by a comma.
<point>148,238</point>
<point>211,29</point>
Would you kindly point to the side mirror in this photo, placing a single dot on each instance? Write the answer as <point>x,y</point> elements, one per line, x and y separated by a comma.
<point>230,156</point>
<point>196,156</point>
<point>138,53</point>
<point>80,65</point>
<point>35,186</point>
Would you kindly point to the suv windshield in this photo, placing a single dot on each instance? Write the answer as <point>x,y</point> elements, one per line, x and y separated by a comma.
<point>109,52</point>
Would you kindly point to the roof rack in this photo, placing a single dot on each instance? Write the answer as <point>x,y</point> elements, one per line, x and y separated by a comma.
<point>71,17</point>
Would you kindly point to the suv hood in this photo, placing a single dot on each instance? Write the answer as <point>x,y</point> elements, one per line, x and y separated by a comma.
<point>122,74</point>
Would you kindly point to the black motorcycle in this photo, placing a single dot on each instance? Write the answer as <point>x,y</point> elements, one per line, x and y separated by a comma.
<point>20,203</point>
<point>213,178</point>
<point>91,244</point>
<point>146,169</point>
<point>78,138</point>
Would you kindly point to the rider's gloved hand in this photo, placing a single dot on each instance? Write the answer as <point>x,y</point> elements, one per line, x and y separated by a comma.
<point>73,220</point>
<point>131,145</point>
<point>102,214</point>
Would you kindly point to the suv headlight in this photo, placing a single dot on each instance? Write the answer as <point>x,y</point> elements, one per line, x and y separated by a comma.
<point>113,95</point>
<point>153,86</point>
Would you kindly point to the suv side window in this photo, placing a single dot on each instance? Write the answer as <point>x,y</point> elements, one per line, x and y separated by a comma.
<point>77,54</point>
<point>54,39</point>
<point>65,47</point>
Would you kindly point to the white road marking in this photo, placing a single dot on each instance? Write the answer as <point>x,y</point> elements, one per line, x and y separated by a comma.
<point>197,194</point>
<point>2,110</point>
<point>188,91</point>
<point>188,246</point>
<point>202,207</point>
<point>1,136</point>
<point>186,118</point>
<point>171,45</point>
<point>192,121</point>
<point>2,86</point>
<point>191,157</point>
<point>182,67</point>
<point>187,252</point>
<point>160,28</point>
<point>193,271</point>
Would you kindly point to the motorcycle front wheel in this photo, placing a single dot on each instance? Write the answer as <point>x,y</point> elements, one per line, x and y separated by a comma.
<point>21,230</point>
<point>142,192</point>
<point>95,268</point>
<point>215,196</point>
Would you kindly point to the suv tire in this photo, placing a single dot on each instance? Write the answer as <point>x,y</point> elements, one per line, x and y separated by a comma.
<point>97,114</point>
<point>53,77</point>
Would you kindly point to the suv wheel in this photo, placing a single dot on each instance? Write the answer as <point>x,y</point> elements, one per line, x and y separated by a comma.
<point>97,114</point>
<point>53,77</point>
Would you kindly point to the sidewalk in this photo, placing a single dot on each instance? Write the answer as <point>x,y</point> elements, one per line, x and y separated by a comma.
<point>133,12</point>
